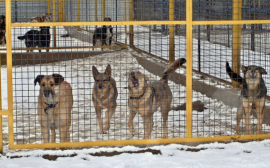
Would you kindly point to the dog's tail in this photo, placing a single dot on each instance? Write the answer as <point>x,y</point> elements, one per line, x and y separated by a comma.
<point>176,64</point>
<point>21,37</point>
<point>234,76</point>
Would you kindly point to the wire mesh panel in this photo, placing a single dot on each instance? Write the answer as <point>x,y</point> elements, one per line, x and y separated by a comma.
<point>77,71</point>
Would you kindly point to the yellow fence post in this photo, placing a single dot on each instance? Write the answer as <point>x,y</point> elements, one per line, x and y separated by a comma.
<point>125,18</point>
<point>236,44</point>
<point>131,18</point>
<point>54,28</point>
<point>171,32</point>
<point>49,6</point>
<point>9,73</point>
<point>103,9</point>
<point>1,121</point>
<point>189,68</point>
<point>61,10</point>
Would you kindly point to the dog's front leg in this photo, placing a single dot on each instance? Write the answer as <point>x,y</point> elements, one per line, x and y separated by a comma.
<point>132,114</point>
<point>247,108</point>
<point>100,123</point>
<point>147,128</point>
<point>108,115</point>
<point>46,134</point>
<point>64,134</point>
<point>165,111</point>
<point>103,42</point>
<point>260,115</point>
<point>239,116</point>
<point>110,41</point>
<point>53,137</point>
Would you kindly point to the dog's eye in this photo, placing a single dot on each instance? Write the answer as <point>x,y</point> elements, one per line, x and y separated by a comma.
<point>52,84</point>
<point>43,84</point>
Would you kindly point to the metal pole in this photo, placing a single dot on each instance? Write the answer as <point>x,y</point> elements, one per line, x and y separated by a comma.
<point>131,18</point>
<point>207,18</point>
<point>48,6</point>
<point>78,11</point>
<point>61,10</point>
<point>236,46</point>
<point>96,18</point>
<point>16,12</point>
<point>125,18</point>
<point>189,69</point>
<point>54,28</point>
<point>252,33</point>
<point>150,41</point>
<point>9,73</point>
<point>171,32</point>
<point>199,40</point>
<point>1,121</point>
<point>86,10</point>
<point>116,6</point>
<point>103,9</point>
<point>71,11</point>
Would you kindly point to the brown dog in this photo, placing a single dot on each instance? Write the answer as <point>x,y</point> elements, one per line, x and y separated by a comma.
<point>55,103</point>
<point>44,18</point>
<point>146,98</point>
<point>253,92</point>
<point>104,96</point>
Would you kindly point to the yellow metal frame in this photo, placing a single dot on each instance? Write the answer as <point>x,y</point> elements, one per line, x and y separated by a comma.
<point>171,32</point>
<point>1,113</point>
<point>189,23</point>
<point>236,38</point>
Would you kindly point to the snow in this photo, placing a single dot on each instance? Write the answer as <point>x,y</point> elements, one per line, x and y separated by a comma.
<point>217,120</point>
<point>234,155</point>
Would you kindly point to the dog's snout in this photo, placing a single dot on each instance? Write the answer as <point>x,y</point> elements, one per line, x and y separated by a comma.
<point>100,86</point>
<point>47,93</point>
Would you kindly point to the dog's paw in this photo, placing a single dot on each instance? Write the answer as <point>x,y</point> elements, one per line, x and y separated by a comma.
<point>133,132</point>
<point>165,136</point>
<point>102,132</point>
<point>146,137</point>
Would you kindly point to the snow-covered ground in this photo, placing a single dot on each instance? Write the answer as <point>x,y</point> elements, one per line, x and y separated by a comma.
<point>213,155</point>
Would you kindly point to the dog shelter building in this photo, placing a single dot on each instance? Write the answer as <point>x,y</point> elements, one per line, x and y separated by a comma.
<point>148,36</point>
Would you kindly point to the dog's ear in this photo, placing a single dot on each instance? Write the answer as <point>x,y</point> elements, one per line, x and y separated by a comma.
<point>146,78</point>
<point>38,79</point>
<point>244,68</point>
<point>263,71</point>
<point>94,71</point>
<point>58,78</point>
<point>108,70</point>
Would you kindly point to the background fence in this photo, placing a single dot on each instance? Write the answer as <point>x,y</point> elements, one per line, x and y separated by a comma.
<point>147,35</point>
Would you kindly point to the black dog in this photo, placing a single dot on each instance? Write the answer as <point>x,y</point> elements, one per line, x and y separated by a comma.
<point>2,30</point>
<point>35,38</point>
<point>103,33</point>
